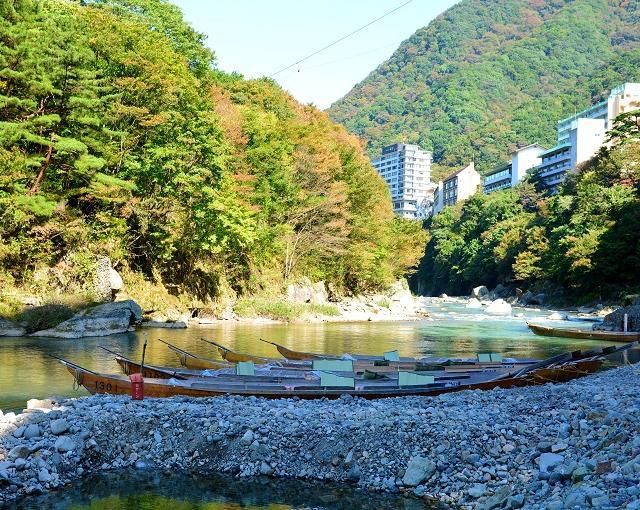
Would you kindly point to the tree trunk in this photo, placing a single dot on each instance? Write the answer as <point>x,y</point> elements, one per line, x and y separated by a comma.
<point>36,185</point>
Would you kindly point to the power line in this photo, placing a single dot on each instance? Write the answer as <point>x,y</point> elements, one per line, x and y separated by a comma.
<point>341,39</point>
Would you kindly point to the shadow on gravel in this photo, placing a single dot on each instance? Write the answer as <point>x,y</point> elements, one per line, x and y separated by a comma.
<point>128,489</point>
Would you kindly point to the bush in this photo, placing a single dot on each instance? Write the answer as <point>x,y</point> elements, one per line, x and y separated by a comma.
<point>46,316</point>
<point>280,310</point>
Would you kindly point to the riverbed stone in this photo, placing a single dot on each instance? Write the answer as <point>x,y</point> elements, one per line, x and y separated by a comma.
<point>59,426</point>
<point>548,461</point>
<point>64,444</point>
<point>418,469</point>
<point>477,491</point>
<point>31,431</point>
<point>19,452</point>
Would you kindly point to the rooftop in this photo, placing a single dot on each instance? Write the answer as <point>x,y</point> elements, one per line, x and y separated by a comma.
<point>555,149</point>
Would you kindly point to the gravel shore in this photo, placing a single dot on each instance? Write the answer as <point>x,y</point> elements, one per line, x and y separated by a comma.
<point>574,445</point>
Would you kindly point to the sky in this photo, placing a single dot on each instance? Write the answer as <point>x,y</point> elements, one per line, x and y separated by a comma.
<point>260,37</point>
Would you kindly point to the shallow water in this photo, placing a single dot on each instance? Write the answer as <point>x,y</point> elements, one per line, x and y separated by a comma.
<point>27,370</point>
<point>128,490</point>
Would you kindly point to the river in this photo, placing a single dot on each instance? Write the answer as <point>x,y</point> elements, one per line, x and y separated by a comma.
<point>128,489</point>
<point>28,371</point>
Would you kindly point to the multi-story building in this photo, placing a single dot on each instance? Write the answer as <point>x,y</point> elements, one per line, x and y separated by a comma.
<point>457,187</point>
<point>581,135</point>
<point>584,139</point>
<point>624,98</point>
<point>509,174</point>
<point>407,171</point>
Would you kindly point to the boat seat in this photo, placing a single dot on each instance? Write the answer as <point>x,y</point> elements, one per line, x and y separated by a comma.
<point>330,380</point>
<point>245,368</point>
<point>333,365</point>
<point>413,379</point>
<point>391,356</point>
<point>494,357</point>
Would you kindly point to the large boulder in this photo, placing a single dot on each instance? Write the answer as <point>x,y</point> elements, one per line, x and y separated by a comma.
<point>473,303</point>
<point>480,292</point>
<point>499,307</point>
<point>502,291</point>
<point>102,320</point>
<point>615,320</point>
<point>8,328</point>
<point>307,292</point>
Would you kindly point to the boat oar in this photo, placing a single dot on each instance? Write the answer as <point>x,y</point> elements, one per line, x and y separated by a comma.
<point>215,344</point>
<point>116,354</point>
<point>144,351</point>
<point>137,380</point>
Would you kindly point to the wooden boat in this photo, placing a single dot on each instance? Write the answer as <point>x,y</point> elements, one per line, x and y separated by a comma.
<point>290,354</point>
<point>120,385</point>
<point>236,357</point>
<point>361,363</point>
<point>274,374</point>
<point>194,362</point>
<point>560,368</point>
<point>611,336</point>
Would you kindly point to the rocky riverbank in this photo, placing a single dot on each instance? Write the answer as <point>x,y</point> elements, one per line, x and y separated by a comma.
<point>575,445</point>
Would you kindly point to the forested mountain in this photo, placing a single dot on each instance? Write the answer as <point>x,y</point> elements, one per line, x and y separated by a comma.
<point>119,137</point>
<point>488,75</point>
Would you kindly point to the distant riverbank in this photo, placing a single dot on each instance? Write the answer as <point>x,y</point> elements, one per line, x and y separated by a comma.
<point>554,446</point>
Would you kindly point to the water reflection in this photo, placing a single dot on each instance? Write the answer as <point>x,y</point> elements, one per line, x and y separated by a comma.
<point>27,371</point>
<point>124,490</point>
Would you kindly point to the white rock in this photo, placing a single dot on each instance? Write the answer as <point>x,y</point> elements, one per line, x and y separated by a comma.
<point>115,280</point>
<point>480,292</point>
<point>473,303</point>
<point>499,307</point>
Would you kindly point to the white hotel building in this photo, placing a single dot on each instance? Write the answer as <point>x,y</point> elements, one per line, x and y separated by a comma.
<point>509,174</point>
<point>581,135</point>
<point>407,171</point>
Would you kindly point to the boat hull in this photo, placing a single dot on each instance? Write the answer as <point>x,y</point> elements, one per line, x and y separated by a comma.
<point>610,336</point>
<point>97,383</point>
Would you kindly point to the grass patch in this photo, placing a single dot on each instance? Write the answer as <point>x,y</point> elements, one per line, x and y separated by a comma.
<point>384,302</point>
<point>280,310</point>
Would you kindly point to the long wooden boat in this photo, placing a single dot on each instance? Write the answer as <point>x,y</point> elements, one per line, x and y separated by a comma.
<point>120,385</point>
<point>129,367</point>
<point>361,364</point>
<point>561,368</point>
<point>194,362</point>
<point>236,357</point>
<point>611,336</point>
<point>291,354</point>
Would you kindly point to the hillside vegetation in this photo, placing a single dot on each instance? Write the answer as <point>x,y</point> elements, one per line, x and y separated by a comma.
<point>119,137</point>
<point>488,75</point>
<point>581,244</point>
